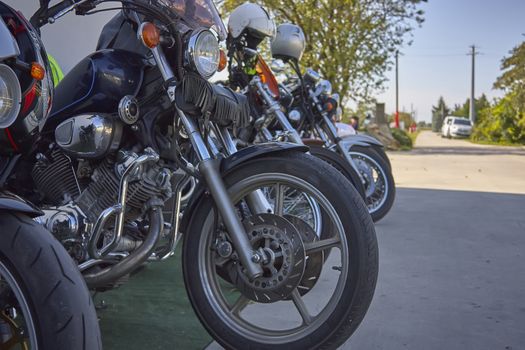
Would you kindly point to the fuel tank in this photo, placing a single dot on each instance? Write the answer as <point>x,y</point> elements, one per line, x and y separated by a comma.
<point>96,85</point>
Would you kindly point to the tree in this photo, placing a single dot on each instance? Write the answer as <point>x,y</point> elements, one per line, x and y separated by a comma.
<point>439,112</point>
<point>464,110</point>
<point>350,42</point>
<point>505,121</point>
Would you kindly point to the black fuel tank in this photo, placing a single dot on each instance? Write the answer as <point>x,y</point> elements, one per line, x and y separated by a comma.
<point>97,84</point>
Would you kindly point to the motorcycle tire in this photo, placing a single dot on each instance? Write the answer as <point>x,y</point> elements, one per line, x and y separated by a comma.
<point>341,316</point>
<point>59,312</point>
<point>376,162</point>
<point>382,153</point>
<point>341,165</point>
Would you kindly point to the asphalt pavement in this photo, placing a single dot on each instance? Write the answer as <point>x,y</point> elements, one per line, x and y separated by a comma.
<point>452,258</point>
<point>451,251</point>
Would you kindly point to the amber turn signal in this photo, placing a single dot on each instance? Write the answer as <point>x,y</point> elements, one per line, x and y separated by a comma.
<point>37,71</point>
<point>223,61</point>
<point>149,34</point>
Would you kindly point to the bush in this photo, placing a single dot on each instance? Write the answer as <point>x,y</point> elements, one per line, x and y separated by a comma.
<point>402,137</point>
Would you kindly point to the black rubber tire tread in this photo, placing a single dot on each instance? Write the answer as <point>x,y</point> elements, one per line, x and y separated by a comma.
<point>389,202</point>
<point>382,153</point>
<point>60,303</point>
<point>341,164</point>
<point>363,264</point>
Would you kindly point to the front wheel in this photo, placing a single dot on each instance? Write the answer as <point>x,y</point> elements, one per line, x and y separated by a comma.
<point>380,187</point>
<point>44,301</point>
<point>304,299</point>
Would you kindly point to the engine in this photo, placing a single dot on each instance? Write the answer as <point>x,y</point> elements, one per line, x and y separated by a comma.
<point>77,192</point>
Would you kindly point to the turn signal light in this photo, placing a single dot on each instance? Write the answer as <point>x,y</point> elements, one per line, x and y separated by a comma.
<point>223,61</point>
<point>37,71</point>
<point>150,35</point>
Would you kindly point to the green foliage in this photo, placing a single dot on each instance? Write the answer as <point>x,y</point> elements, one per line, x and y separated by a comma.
<point>504,122</point>
<point>350,42</point>
<point>439,112</point>
<point>403,138</point>
<point>464,110</point>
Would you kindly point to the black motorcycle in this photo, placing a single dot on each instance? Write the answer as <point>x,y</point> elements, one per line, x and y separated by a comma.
<point>44,302</point>
<point>131,123</point>
<point>313,110</point>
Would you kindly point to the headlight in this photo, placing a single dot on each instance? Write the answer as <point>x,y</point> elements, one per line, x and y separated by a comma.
<point>323,87</point>
<point>10,96</point>
<point>203,50</point>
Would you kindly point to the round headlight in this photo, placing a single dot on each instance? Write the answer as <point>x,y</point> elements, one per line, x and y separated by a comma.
<point>10,96</point>
<point>204,54</point>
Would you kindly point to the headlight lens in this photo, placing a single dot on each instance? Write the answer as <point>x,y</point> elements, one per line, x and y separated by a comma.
<point>10,96</point>
<point>204,52</point>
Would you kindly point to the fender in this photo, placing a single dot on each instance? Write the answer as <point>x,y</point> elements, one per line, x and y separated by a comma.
<point>11,202</point>
<point>360,140</point>
<point>230,163</point>
<point>341,164</point>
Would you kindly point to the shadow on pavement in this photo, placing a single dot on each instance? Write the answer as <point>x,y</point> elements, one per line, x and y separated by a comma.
<point>451,277</point>
<point>451,273</point>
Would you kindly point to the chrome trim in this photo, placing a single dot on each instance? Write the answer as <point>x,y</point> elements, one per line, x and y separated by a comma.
<point>120,208</point>
<point>89,135</point>
<point>192,45</point>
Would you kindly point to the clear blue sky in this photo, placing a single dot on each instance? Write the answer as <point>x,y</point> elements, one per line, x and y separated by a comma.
<point>436,63</point>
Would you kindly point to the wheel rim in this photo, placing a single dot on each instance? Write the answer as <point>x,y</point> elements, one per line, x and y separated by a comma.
<point>11,318</point>
<point>376,183</point>
<point>231,308</point>
<point>300,205</point>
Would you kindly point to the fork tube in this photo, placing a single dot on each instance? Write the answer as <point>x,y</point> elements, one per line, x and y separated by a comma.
<point>274,107</point>
<point>257,201</point>
<point>340,147</point>
<point>209,168</point>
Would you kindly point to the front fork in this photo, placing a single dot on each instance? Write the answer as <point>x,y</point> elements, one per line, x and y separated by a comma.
<point>340,146</point>
<point>209,169</point>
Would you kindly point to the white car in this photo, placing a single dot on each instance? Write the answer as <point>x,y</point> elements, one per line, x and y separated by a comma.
<point>456,127</point>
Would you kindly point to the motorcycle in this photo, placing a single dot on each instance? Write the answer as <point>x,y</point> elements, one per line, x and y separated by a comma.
<point>252,75</point>
<point>44,301</point>
<point>132,123</point>
<point>313,110</point>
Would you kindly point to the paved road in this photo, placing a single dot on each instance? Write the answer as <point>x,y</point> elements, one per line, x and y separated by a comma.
<point>452,252</point>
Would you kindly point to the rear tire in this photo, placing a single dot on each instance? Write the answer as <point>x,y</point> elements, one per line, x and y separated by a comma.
<point>59,303</point>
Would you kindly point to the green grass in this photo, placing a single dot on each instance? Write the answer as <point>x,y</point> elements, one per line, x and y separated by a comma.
<point>495,143</point>
<point>151,311</point>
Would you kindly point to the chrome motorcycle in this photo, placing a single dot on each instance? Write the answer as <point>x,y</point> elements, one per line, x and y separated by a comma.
<point>44,302</point>
<point>131,123</point>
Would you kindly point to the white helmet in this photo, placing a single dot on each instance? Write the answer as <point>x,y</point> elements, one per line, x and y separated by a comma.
<point>289,42</point>
<point>251,19</point>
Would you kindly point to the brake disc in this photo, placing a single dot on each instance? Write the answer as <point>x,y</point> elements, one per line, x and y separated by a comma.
<point>281,246</point>
<point>314,261</point>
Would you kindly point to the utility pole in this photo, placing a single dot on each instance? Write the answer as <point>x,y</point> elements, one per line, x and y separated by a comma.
<point>472,111</point>
<point>397,90</point>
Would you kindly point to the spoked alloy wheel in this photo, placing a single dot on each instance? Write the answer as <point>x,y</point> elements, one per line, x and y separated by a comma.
<point>299,294</point>
<point>379,182</point>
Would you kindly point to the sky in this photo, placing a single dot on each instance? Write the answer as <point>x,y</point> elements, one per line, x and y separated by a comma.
<point>436,64</point>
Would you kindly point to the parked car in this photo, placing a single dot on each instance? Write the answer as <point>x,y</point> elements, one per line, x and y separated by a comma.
<point>456,127</point>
